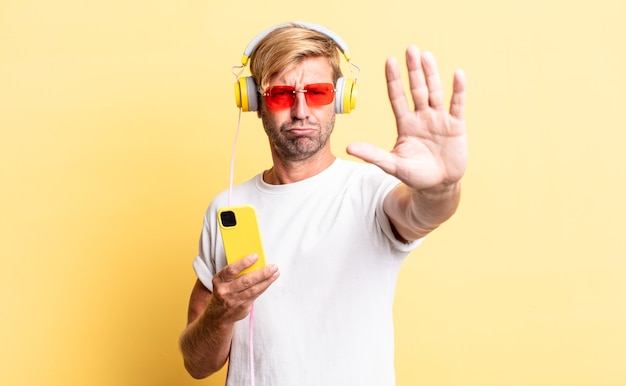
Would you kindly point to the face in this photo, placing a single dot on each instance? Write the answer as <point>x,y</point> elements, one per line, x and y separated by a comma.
<point>300,131</point>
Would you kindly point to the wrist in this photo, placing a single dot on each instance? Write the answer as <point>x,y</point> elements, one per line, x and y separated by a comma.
<point>442,191</point>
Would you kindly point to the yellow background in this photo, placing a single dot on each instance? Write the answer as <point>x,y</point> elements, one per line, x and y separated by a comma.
<point>117,119</point>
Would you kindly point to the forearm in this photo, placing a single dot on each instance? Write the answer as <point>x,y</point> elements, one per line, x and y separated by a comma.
<point>415,213</point>
<point>205,345</point>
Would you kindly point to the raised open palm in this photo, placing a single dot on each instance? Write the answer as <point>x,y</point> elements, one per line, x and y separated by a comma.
<point>431,149</point>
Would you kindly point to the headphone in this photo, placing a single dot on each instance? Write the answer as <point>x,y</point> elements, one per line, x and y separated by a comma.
<point>346,91</point>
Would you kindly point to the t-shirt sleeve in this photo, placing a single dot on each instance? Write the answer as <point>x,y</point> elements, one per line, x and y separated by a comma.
<point>382,185</point>
<point>385,224</point>
<point>211,258</point>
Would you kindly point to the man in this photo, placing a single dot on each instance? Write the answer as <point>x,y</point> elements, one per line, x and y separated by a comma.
<point>338,230</point>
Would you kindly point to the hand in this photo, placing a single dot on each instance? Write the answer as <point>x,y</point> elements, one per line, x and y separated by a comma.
<point>233,296</point>
<point>431,149</point>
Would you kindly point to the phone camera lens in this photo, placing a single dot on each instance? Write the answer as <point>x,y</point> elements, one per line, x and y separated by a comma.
<point>228,218</point>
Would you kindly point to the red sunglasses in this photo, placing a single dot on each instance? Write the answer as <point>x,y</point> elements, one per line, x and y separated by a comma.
<point>283,97</point>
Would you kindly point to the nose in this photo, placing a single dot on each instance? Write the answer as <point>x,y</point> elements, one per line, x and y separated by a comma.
<point>300,109</point>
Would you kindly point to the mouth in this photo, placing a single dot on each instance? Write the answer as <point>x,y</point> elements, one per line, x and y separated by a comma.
<point>299,131</point>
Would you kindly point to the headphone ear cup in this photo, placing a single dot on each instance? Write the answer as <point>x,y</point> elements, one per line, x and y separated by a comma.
<point>346,92</point>
<point>246,94</point>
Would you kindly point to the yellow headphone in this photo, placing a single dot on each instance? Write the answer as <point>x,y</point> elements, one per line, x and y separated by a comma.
<point>346,91</point>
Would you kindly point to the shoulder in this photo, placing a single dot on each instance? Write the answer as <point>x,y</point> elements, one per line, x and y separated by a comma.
<point>348,167</point>
<point>363,173</point>
<point>240,193</point>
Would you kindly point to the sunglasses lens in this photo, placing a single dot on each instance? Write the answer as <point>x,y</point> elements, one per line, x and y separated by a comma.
<point>319,94</point>
<point>282,97</point>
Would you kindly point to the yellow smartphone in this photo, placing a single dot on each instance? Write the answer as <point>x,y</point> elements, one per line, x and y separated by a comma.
<point>241,235</point>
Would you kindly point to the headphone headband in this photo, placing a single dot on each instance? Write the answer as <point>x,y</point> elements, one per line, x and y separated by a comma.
<point>343,47</point>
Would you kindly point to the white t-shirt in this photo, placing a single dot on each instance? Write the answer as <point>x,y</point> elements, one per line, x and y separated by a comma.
<point>327,320</point>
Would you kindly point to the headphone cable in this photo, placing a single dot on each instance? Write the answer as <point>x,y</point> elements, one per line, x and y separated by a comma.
<point>230,194</point>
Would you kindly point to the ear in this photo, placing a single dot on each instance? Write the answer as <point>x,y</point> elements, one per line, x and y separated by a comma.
<point>259,101</point>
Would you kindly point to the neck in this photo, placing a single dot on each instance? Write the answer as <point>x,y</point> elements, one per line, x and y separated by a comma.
<point>286,172</point>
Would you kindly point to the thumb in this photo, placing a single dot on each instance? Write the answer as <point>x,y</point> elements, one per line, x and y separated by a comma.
<point>373,154</point>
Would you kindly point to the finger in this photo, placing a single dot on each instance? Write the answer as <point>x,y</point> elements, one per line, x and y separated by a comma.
<point>255,283</point>
<point>231,271</point>
<point>417,81</point>
<point>457,102</point>
<point>374,155</point>
<point>235,297</point>
<point>399,104</point>
<point>246,289</point>
<point>433,82</point>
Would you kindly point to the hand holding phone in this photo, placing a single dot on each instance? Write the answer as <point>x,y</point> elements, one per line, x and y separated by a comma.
<point>241,235</point>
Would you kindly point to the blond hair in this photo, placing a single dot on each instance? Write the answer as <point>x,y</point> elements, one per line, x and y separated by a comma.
<point>285,47</point>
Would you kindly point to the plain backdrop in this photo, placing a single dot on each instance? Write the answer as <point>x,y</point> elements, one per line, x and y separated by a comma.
<point>117,120</point>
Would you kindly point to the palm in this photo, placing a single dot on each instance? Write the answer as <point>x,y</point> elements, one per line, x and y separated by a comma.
<point>431,148</point>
